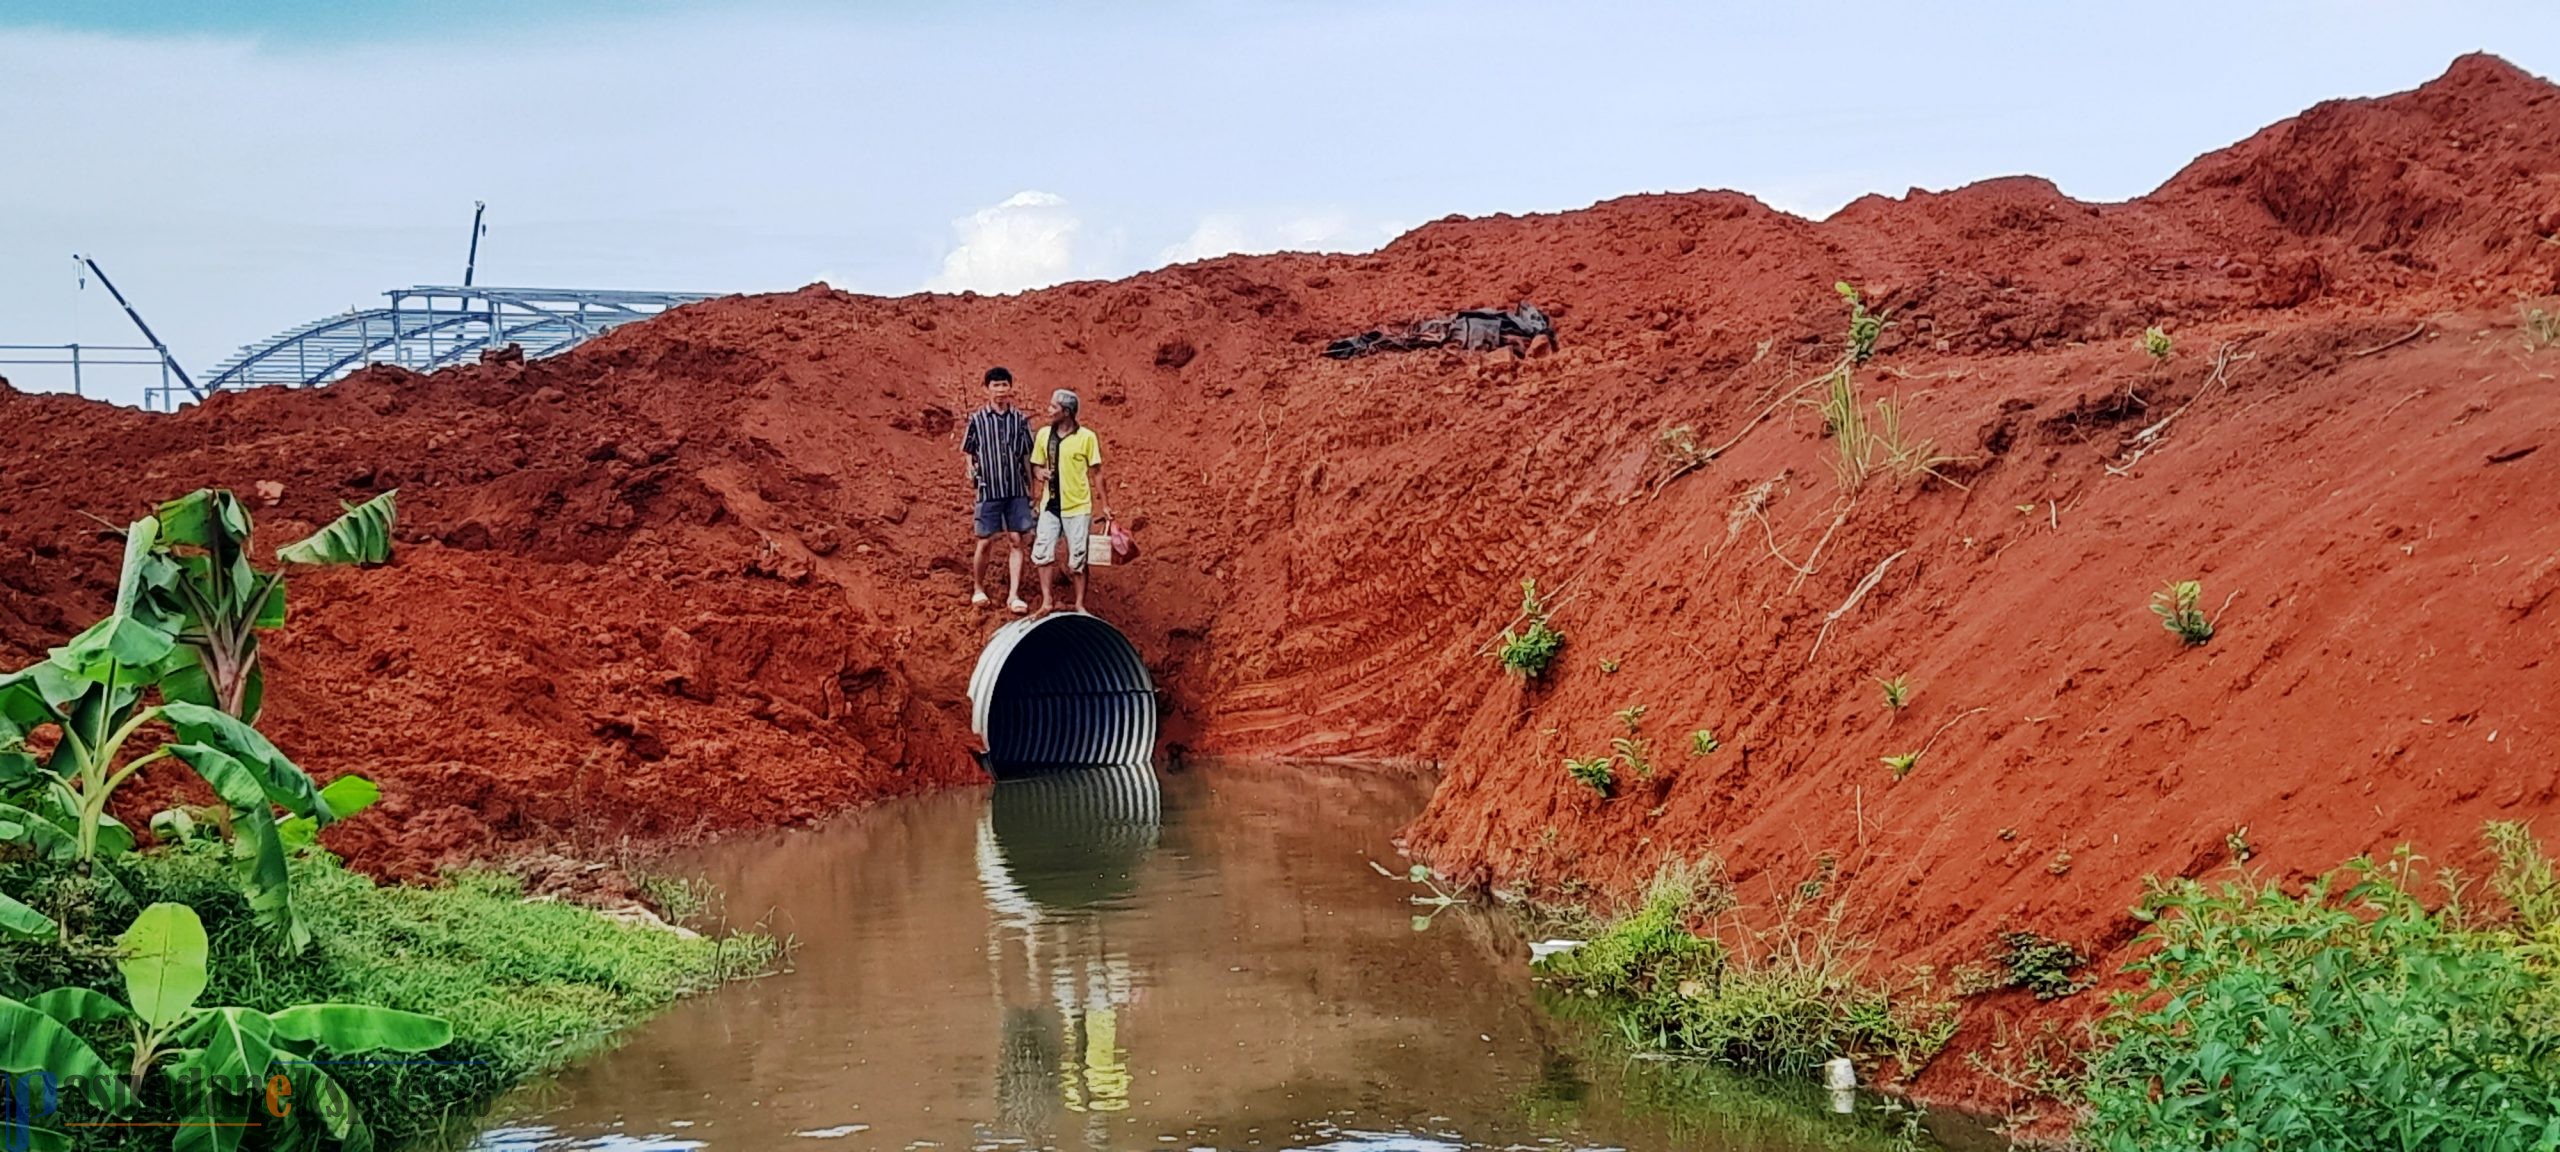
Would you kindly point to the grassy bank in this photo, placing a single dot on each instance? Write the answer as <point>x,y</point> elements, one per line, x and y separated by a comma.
<point>2386,1005</point>
<point>1686,972</point>
<point>527,985</point>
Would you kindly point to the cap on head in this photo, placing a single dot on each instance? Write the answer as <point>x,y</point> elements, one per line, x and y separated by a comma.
<point>1064,398</point>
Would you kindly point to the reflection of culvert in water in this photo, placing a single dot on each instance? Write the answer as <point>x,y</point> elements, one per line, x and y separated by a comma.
<point>1062,689</point>
<point>1067,840</point>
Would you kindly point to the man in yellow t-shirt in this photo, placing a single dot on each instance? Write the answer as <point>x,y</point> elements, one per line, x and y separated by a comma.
<point>1066,464</point>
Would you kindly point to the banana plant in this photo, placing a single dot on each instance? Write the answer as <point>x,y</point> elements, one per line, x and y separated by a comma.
<point>92,692</point>
<point>222,603</point>
<point>220,1062</point>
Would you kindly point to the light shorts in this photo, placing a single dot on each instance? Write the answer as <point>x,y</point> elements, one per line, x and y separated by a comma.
<point>1077,528</point>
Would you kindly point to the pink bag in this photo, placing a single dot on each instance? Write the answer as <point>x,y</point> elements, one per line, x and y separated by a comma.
<point>1122,547</point>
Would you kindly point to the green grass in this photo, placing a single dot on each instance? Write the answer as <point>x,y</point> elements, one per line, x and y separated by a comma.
<point>528,985</point>
<point>1779,999</point>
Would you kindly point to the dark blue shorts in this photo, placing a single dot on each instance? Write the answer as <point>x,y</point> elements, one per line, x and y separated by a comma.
<point>1008,515</point>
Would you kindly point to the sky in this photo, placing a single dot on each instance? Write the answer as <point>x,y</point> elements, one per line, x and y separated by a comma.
<point>243,167</point>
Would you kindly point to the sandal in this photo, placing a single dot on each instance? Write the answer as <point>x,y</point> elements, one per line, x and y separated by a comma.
<point>1019,607</point>
<point>977,597</point>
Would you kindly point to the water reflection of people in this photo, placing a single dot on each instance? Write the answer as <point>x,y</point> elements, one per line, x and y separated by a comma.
<point>1054,851</point>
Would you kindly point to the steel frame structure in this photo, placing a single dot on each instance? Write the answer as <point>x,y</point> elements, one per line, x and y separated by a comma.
<point>78,357</point>
<point>430,326</point>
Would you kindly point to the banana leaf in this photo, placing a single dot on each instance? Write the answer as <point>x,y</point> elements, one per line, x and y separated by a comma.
<point>163,963</point>
<point>17,919</point>
<point>361,536</point>
<point>31,1041</point>
<point>77,1005</point>
<point>283,783</point>
<point>257,852</point>
<point>351,1028</point>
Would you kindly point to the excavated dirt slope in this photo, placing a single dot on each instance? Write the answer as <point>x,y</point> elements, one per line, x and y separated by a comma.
<point>706,572</point>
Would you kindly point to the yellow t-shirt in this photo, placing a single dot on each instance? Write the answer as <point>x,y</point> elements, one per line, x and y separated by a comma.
<point>1079,454</point>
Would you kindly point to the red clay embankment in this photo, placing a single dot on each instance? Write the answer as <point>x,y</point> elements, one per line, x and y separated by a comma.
<point>706,572</point>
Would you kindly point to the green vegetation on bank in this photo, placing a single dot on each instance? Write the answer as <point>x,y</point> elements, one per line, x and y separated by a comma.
<point>2349,1015</point>
<point>2365,1010</point>
<point>1599,1087</point>
<point>527,985</point>
<point>1780,999</point>
<point>235,986</point>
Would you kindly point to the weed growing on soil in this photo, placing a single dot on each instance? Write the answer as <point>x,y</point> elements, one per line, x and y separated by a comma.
<point>2349,1016</point>
<point>2524,877</point>
<point>1862,446</point>
<point>1906,458</point>
<point>1703,742</point>
<point>528,986</point>
<point>2238,843</point>
<point>1852,445</point>
<point>2155,344</point>
<point>1609,667</point>
<point>1636,753</point>
<point>2541,328</point>
<point>1531,651</point>
<point>1632,716</point>
<point>1902,763</point>
<point>2179,610</point>
<point>1780,999</point>
<point>1678,449</point>
<point>1864,326</point>
<point>1595,773</point>
<point>1897,691</point>
<point>2044,1064</point>
<point>2038,964</point>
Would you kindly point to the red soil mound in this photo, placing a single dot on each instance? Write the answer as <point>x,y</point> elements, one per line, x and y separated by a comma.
<point>706,572</point>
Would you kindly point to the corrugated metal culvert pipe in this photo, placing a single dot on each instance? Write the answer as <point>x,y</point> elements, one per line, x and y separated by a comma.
<point>1062,690</point>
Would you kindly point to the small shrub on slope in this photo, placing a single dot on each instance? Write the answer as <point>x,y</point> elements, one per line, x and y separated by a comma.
<point>2040,965</point>
<point>1530,651</point>
<point>1864,326</point>
<point>1597,773</point>
<point>2180,611</point>
<point>2156,344</point>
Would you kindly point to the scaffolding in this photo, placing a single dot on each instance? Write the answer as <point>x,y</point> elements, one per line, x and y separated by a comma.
<point>427,327</point>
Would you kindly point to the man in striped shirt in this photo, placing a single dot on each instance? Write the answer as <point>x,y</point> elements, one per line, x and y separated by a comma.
<point>998,445</point>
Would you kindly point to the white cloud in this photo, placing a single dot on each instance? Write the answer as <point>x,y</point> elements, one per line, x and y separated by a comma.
<point>1029,241</point>
<point>1223,234</point>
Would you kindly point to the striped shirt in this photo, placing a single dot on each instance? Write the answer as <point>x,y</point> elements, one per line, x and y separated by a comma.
<point>999,441</point>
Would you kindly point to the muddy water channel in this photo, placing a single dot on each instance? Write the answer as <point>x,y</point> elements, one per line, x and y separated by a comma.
<point>1109,963</point>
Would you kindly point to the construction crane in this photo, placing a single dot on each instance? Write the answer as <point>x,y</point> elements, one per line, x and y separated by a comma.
<point>478,209</point>
<point>163,349</point>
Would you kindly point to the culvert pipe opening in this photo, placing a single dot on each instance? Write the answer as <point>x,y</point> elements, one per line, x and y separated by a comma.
<point>1063,690</point>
